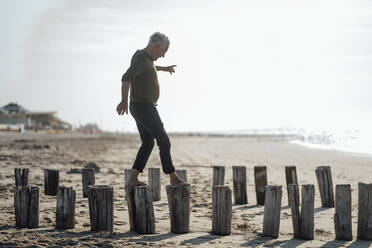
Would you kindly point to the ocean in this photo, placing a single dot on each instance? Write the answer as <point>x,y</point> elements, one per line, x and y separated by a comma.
<point>353,140</point>
<point>358,141</point>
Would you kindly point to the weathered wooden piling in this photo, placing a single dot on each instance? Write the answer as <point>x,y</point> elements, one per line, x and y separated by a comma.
<point>21,177</point>
<point>182,174</point>
<point>26,206</point>
<point>260,179</point>
<point>303,222</point>
<point>101,207</point>
<point>51,182</point>
<point>140,209</point>
<point>307,212</point>
<point>65,213</point>
<point>179,208</point>
<point>222,210</point>
<point>127,173</point>
<point>291,178</point>
<point>88,178</point>
<point>271,222</point>
<point>324,177</point>
<point>155,183</point>
<point>364,211</point>
<point>293,196</point>
<point>218,175</point>
<point>342,216</point>
<point>240,185</point>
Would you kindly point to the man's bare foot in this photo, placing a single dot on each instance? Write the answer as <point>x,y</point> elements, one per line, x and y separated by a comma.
<point>133,180</point>
<point>136,183</point>
<point>175,180</point>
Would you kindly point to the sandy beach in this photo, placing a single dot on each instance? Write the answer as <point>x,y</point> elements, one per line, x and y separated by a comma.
<point>115,152</point>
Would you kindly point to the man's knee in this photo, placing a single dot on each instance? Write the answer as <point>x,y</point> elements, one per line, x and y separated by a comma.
<point>163,143</point>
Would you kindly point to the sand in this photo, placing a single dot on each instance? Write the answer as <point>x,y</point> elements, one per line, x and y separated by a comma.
<point>115,152</point>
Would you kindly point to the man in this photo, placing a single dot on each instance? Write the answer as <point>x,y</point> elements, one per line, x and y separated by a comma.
<point>142,80</point>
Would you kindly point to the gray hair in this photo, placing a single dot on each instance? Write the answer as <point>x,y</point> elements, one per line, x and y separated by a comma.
<point>158,38</point>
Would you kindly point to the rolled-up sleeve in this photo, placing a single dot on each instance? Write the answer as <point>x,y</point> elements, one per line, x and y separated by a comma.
<point>134,70</point>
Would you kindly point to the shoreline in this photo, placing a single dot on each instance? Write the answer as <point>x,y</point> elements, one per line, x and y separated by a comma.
<point>330,148</point>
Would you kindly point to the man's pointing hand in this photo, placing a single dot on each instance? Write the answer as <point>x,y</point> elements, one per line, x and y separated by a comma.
<point>170,69</point>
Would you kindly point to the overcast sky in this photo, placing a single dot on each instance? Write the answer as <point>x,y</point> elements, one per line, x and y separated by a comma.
<point>241,64</point>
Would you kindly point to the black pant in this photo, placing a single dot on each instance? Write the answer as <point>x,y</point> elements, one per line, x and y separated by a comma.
<point>150,127</point>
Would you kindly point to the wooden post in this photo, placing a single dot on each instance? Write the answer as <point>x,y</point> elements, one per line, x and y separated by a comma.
<point>324,177</point>
<point>218,175</point>
<point>291,178</point>
<point>293,202</point>
<point>182,174</point>
<point>222,210</point>
<point>260,179</point>
<point>155,183</point>
<point>127,173</point>
<point>307,212</point>
<point>273,199</point>
<point>140,209</point>
<point>21,177</point>
<point>26,205</point>
<point>240,185</point>
<point>179,208</point>
<point>342,216</point>
<point>88,177</point>
<point>65,213</point>
<point>364,211</point>
<point>33,215</point>
<point>51,181</point>
<point>101,207</point>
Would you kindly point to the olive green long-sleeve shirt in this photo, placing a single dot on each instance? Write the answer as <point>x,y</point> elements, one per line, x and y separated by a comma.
<point>143,78</point>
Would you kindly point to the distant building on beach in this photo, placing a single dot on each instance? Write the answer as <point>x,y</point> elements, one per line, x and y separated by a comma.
<point>14,108</point>
<point>14,117</point>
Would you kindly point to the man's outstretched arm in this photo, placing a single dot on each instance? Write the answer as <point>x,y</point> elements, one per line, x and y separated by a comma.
<point>169,69</point>
<point>123,105</point>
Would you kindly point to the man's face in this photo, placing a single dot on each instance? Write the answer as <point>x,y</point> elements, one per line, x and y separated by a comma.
<point>160,50</point>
